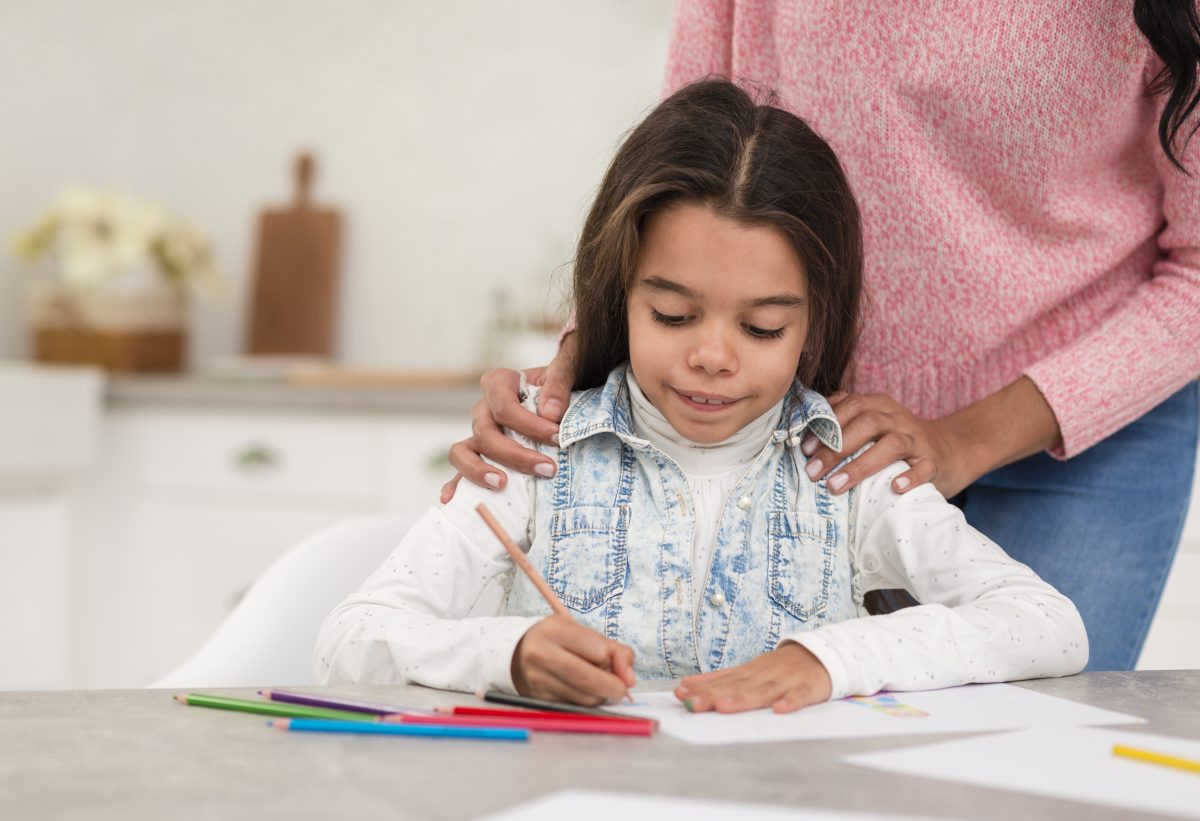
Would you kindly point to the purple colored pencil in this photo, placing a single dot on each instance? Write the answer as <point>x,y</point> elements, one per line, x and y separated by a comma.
<point>339,703</point>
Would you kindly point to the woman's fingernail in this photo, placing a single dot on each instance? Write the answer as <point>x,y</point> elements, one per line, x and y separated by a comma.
<point>837,482</point>
<point>552,408</point>
<point>544,469</point>
<point>554,438</point>
<point>492,479</point>
<point>902,483</point>
<point>809,445</point>
<point>813,468</point>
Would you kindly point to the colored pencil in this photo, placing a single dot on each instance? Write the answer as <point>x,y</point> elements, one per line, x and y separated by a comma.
<point>321,725</point>
<point>518,556</point>
<point>1151,757</point>
<point>351,705</point>
<point>541,724</point>
<point>519,714</point>
<point>269,708</point>
<point>542,704</point>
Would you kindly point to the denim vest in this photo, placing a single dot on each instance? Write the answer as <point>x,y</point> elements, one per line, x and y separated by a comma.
<point>612,535</point>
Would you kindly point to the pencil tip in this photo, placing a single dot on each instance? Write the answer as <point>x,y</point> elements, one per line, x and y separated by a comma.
<point>181,699</point>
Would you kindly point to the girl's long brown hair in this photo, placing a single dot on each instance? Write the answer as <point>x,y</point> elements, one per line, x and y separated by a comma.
<point>711,143</point>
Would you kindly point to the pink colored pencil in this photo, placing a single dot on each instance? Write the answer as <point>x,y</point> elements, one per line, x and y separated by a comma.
<point>557,724</point>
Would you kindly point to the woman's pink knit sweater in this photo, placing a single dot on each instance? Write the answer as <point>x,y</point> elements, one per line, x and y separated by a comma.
<point>1019,215</point>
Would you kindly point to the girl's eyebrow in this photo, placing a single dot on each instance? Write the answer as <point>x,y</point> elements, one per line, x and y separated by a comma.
<point>779,300</point>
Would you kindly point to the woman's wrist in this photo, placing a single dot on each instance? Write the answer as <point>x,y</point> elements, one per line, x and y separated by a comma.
<point>1002,428</point>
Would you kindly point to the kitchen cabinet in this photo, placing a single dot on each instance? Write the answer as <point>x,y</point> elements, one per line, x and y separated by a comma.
<point>191,501</point>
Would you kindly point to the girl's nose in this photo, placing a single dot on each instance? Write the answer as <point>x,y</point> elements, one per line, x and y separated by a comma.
<point>713,354</point>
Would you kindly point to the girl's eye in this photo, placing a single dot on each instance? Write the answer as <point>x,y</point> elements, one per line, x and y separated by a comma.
<point>666,319</point>
<point>763,333</point>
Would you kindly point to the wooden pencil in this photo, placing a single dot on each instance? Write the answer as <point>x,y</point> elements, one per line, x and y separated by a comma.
<point>518,556</point>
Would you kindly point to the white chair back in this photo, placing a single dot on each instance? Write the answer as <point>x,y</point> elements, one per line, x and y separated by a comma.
<point>268,638</point>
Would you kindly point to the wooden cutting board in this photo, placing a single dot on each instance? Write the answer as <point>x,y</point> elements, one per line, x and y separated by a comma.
<point>295,275</point>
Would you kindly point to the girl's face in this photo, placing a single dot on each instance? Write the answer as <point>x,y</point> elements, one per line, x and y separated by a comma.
<point>718,314</point>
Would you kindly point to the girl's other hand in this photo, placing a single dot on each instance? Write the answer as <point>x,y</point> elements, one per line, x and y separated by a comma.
<point>501,408</point>
<point>560,660</point>
<point>785,679</point>
<point>927,445</point>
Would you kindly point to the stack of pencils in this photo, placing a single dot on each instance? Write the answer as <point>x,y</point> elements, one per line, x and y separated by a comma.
<point>301,712</point>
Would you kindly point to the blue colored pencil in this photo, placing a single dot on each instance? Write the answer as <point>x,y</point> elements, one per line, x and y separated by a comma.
<point>328,725</point>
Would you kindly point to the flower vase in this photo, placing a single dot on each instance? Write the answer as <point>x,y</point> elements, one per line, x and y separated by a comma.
<point>134,323</point>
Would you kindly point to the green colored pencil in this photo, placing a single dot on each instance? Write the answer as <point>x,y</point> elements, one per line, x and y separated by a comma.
<point>271,708</point>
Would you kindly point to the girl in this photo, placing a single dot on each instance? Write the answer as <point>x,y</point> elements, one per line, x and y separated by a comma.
<point>716,291</point>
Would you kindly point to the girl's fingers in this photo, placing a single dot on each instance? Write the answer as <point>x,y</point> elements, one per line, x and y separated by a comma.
<point>622,664</point>
<point>586,679</point>
<point>548,684</point>
<point>794,699</point>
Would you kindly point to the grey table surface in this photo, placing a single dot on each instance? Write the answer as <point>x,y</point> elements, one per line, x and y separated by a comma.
<point>138,754</point>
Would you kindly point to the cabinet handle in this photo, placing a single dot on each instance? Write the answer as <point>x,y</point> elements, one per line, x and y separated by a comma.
<point>257,458</point>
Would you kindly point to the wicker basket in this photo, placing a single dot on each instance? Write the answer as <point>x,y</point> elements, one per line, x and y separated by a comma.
<point>113,350</point>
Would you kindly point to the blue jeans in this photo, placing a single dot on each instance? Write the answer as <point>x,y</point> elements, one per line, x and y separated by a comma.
<point>1102,527</point>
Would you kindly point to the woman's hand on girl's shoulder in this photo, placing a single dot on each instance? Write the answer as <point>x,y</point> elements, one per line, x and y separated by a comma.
<point>501,408</point>
<point>785,679</point>
<point>560,660</point>
<point>929,446</point>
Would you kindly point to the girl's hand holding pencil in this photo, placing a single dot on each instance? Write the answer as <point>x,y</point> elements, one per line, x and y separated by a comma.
<point>558,659</point>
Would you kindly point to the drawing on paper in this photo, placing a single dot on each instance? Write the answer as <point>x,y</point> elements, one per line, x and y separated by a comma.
<point>887,704</point>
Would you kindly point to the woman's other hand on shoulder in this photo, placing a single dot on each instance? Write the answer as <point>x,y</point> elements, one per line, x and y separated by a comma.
<point>560,660</point>
<point>785,679</point>
<point>951,452</point>
<point>501,408</point>
<point>927,445</point>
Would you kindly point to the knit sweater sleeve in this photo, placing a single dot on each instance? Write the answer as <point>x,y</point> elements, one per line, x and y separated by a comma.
<point>701,42</point>
<point>1149,347</point>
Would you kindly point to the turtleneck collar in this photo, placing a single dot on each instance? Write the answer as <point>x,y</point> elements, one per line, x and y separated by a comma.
<point>696,459</point>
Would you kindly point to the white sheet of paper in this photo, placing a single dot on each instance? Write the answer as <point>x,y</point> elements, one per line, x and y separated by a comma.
<point>1064,762</point>
<point>973,708</point>
<point>587,805</point>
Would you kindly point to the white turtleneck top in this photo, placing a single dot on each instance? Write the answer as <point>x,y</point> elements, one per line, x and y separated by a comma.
<point>711,470</point>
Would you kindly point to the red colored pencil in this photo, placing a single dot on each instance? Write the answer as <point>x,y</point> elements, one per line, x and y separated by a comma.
<point>517,714</point>
<point>555,724</point>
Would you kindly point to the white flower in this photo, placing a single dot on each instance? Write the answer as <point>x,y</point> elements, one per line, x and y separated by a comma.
<point>95,235</point>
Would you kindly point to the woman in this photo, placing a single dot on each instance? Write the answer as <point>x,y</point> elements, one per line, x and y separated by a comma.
<point>1032,240</point>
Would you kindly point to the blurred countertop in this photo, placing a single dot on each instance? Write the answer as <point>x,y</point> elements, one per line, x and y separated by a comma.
<point>330,390</point>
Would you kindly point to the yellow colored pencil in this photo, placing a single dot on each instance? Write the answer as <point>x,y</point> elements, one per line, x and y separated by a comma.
<point>1157,758</point>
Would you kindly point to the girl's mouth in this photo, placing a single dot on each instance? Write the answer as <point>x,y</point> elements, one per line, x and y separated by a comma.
<point>705,404</point>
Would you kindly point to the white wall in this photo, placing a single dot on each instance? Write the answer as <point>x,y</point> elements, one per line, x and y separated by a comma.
<point>462,140</point>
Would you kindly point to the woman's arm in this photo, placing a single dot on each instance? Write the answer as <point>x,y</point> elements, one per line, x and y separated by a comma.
<point>983,616</point>
<point>952,452</point>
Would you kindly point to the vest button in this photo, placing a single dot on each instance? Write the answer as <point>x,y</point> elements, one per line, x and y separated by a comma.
<point>745,503</point>
<point>717,599</point>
